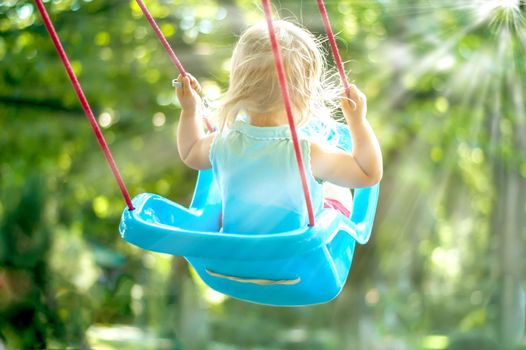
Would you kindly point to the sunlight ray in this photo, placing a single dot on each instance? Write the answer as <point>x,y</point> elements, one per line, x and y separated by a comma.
<point>478,85</point>
<point>496,115</point>
<point>516,88</point>
<point>428,63</point>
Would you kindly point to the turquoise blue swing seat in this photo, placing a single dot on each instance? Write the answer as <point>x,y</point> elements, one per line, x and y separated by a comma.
<point>305,266</point>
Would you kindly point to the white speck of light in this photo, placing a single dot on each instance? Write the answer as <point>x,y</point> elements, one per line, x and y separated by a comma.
<point>105,119</point>
<point>25,11</point>
<point>159,119</point>
<point>137,292</point>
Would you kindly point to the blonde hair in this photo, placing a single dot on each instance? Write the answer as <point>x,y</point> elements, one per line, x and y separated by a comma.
<point>254,85</point>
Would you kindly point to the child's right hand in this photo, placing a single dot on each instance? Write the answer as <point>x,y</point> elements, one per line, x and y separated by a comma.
<point>188,95</point>
<point>354,104</point>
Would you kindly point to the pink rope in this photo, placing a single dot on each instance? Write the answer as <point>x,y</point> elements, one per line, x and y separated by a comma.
<point>208,125</point>
<point>334,46</point>
<point>84,102</point>
<point>168,48</point>
<point>288,107</point>
<point>161,37</point>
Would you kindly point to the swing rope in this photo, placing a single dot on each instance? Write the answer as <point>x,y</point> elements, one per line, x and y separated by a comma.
<point>161,37</point>
<point>288,107</point>
<point>167,47</point>
<point>334,46</point>
<point>84,102</point>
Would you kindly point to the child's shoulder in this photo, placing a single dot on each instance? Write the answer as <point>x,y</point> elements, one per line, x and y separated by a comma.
<point>327,132</point>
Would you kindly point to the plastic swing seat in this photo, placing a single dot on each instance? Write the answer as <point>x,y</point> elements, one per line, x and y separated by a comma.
<point>305,266</point>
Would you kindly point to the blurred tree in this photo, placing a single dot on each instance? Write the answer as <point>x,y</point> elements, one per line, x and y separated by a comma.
<point>27,309</point>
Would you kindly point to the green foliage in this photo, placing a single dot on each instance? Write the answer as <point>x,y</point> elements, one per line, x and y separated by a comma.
<point>473,341</point>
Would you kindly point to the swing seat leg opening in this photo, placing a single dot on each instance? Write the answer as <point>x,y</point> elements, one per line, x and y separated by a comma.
<point>260,281</point>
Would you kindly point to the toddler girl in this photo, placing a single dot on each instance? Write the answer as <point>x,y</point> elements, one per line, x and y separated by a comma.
<point>252,155</point>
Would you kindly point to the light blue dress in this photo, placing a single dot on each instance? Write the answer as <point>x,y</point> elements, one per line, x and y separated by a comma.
<point>258,178</point>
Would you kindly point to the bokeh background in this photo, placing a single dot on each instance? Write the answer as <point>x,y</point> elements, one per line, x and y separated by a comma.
<point>444,269</point>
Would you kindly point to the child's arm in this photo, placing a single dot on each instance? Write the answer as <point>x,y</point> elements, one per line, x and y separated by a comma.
<point>192,143</point>
<point>363,167</point>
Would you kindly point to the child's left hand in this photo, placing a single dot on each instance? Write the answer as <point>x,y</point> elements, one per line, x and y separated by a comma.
<point>354,104</point>
<point>188,95</point>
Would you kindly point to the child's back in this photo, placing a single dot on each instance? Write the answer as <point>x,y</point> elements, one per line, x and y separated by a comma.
<point>257,174</point>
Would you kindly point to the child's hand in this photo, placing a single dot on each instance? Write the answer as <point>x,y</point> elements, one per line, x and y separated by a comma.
<point>188,95</point>
<point>354,104</point>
